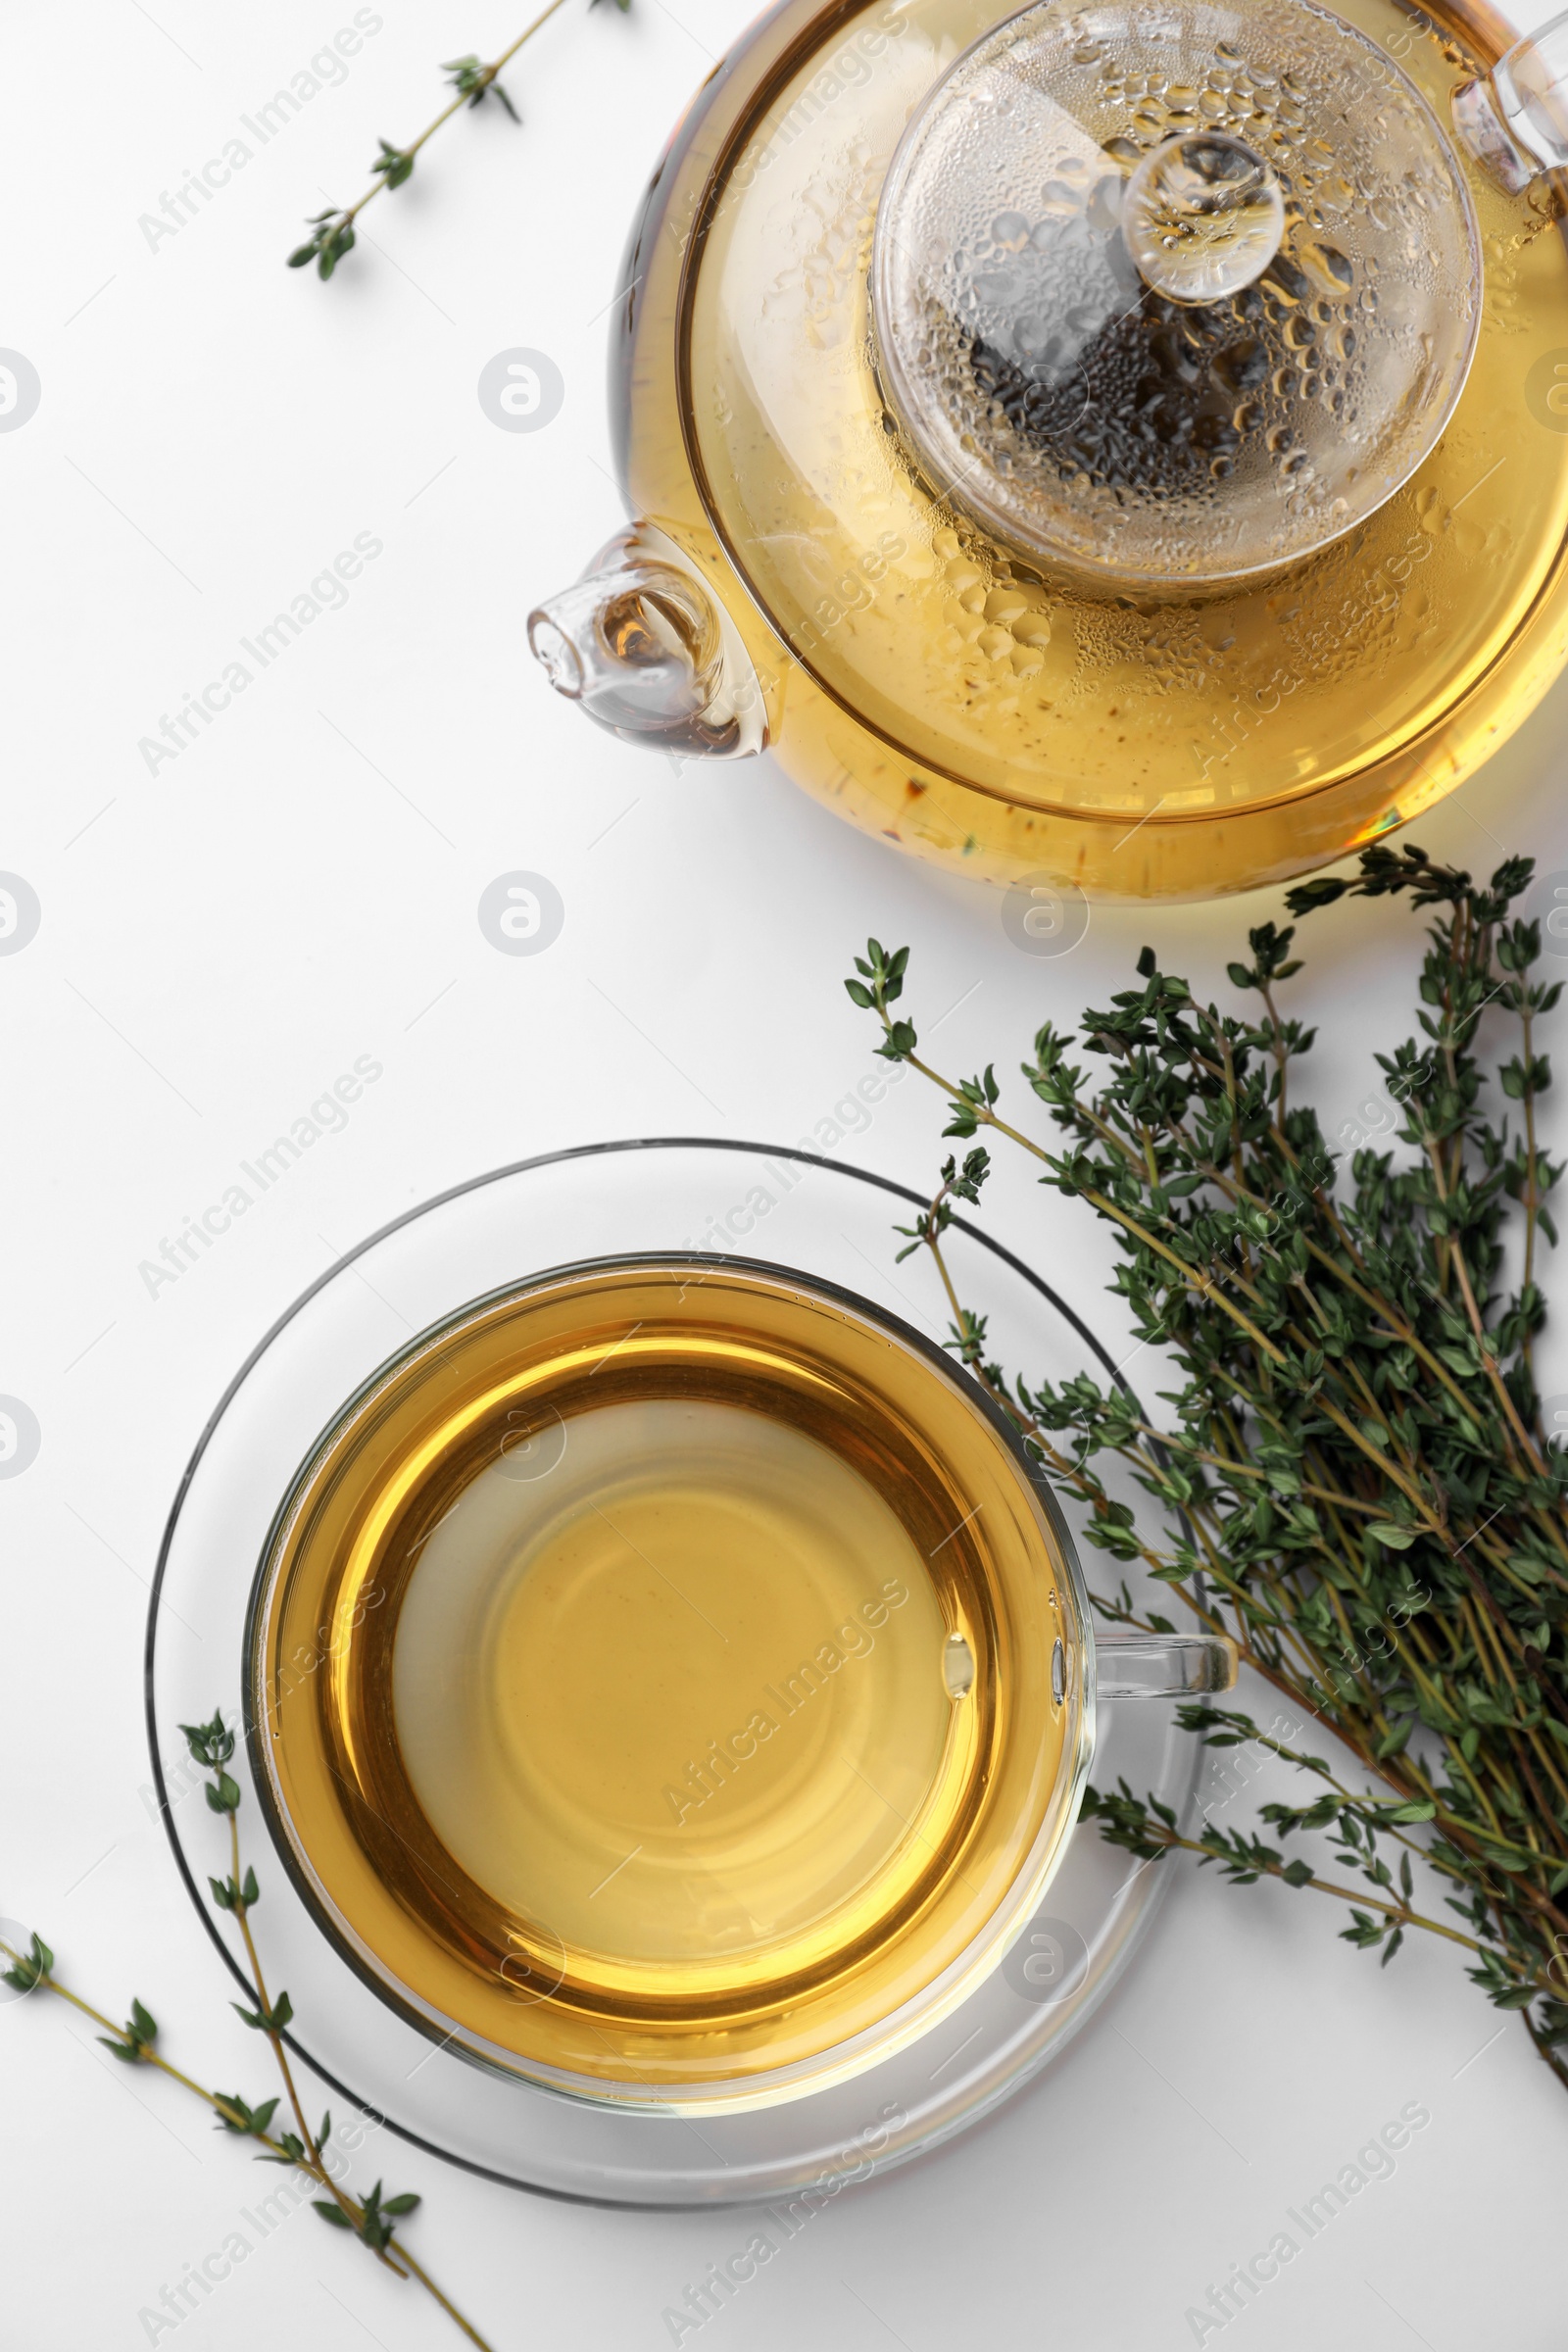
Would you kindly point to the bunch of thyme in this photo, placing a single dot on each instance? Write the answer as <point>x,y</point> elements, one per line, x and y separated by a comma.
<point>332,231</point>
<point>375,2219</point>
<point>1354,1482</point>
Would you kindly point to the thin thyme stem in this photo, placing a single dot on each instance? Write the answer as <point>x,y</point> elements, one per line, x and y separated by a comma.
<point>314,2164</point>
<point>373,2220</point>
<point>1355,1394</point>
<point>463,98</point>
<point>1402,1913</point>
<point>265,2007</point>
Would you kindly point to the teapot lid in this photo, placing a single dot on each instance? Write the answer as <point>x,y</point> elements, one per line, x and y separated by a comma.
<point>1168,294</point>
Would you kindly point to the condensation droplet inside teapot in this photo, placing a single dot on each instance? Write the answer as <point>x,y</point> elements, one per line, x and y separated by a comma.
<point>1161,306</point>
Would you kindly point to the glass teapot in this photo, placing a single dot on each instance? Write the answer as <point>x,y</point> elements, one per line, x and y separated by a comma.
<point>1121,444</point>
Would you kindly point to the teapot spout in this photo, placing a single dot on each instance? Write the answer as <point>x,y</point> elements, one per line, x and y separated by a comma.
<point>1515,119</point>
<point>640,644</point>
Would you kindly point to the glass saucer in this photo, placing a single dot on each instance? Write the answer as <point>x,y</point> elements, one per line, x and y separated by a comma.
<point>791,1208</point>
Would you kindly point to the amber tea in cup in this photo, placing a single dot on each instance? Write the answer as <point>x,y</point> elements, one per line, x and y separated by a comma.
<point>669,1680</point>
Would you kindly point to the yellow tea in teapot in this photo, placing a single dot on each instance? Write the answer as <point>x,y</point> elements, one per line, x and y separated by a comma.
<point>1155,715</point>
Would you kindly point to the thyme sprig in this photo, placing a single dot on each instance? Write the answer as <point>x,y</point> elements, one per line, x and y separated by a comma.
<point>372,2218</point>
<point>1357,1488</point>
<point>333,234</point>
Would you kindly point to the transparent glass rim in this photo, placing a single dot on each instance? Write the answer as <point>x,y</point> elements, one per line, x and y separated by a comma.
<point>919,2011</point>
<point>900,387</point>
<point>741,1147</point>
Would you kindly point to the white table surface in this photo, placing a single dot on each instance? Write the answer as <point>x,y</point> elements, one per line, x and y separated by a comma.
<point>221,938</point>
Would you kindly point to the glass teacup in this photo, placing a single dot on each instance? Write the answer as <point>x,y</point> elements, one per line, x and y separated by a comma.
<point>672,1682</point>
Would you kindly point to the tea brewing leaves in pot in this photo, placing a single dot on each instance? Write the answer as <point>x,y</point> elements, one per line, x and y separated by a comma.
<point>1170,306</point>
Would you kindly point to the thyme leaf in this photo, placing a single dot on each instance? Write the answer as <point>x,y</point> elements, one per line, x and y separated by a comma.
<point>1353,1480</point>
<point>331,233</point>
<point>372,2218</point>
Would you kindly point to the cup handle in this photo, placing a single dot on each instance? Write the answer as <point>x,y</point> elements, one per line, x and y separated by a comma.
<point>1162,1665</point>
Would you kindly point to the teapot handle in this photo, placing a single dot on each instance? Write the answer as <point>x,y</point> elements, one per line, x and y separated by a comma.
<point>1515,119</point>
<point>643,647</point>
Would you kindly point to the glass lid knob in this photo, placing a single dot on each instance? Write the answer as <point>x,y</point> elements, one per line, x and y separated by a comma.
<point>1172,293</point>
<point>1202,216</point>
